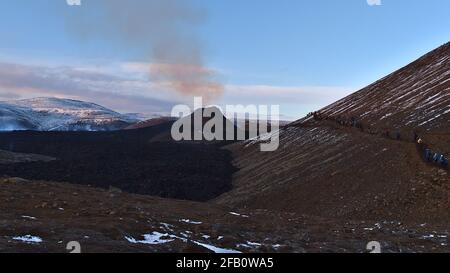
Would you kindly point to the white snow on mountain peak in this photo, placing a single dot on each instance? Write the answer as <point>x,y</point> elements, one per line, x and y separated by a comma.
<point>47,114</point>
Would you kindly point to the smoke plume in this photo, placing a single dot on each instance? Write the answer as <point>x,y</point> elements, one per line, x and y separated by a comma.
<point>163,32</point>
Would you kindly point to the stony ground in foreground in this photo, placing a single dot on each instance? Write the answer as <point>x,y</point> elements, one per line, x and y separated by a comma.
<point>112,221</point>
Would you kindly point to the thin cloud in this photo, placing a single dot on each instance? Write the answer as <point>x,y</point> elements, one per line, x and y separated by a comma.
<point>265,94</point>
<point>374,2</point>
<point>123,88</point>
<point>125,94</point>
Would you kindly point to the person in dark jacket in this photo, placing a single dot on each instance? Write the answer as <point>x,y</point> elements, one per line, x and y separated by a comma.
<point>427,155</point>
<point>445,162</point>
<point>436,157</point>
<point>441,159</point>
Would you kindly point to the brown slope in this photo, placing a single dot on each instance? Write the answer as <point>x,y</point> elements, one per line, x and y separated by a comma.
<point>101,221</point>
<point>416,96</point>
<point>325,169</point>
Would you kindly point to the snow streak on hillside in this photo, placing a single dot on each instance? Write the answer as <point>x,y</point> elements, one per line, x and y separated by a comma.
<point>325,168</point>
<point>417,95</point>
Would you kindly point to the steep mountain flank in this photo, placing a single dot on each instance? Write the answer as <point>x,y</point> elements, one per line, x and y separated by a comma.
<point>416,96</point>
<point>329,169</point>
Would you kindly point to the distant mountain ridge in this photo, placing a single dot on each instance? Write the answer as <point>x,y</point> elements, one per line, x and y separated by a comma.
<point>55,114</point>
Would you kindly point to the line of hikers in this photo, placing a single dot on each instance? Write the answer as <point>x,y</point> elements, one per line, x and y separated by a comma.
<point>431,156</point>
<point>343,121</point>
<point>428,155</point>
<point>440,159</point>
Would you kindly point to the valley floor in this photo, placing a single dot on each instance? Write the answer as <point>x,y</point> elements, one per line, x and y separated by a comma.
<point>44,217</point>
<point>326,189</point>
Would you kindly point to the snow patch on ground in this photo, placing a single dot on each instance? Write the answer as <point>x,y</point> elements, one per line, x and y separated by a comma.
<point>29,239</point>
<point>190,222</point>
<point>216,249</point>
<point>155,238</point>
<point>237,214</point>
<point>249,244</point>
<point>167,226</point>
<point>28,217</point>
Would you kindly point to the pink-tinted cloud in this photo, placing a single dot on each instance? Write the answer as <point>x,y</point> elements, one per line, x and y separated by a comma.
<point>124,94</point>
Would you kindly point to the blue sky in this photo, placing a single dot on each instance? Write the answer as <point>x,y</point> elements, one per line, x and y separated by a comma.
<point>301,54</point>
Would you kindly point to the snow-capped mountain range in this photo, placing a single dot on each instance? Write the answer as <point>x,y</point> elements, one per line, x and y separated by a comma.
<point>55,114</point>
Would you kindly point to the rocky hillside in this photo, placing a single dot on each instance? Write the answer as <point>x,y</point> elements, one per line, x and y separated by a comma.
<point>327,167</point>
<point>416,96</point>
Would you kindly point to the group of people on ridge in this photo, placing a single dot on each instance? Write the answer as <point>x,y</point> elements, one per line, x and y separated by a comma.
<point>428,155</point>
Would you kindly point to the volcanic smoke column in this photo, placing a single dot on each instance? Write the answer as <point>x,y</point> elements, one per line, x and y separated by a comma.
<point>163,32</point>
